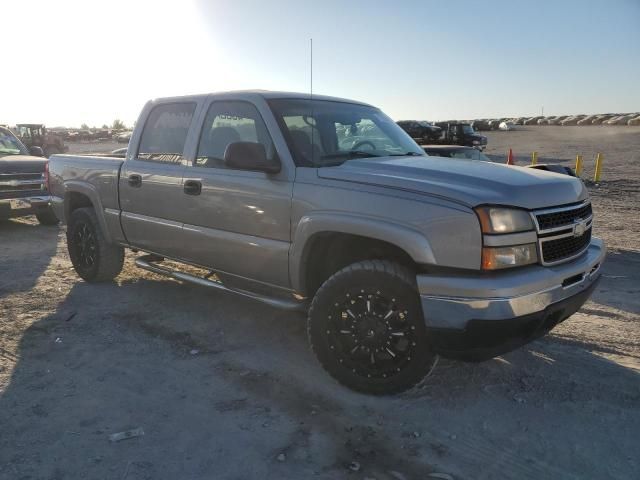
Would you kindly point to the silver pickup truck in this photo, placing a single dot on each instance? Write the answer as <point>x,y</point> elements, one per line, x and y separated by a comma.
<point>325,205</point>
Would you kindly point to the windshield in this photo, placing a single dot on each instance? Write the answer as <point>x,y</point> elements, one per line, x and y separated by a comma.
<point>326,133</point>
<point>10,145</point>
<point>468,129</point>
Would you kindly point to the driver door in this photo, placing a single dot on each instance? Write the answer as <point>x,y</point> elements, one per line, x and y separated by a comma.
<point>237,221</point>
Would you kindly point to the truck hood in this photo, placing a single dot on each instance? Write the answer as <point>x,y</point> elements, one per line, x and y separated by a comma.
<point>471,182</point>
<point>22,164</point>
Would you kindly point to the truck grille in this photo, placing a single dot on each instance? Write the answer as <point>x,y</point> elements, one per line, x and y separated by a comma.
<point>16,185</point>
<point>567,247</point>
<point>547,221</point>
<point>563,233</point>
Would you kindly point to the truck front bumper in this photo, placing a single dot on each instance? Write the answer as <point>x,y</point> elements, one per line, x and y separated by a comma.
<point>19,207</point>
<point>479,316</point>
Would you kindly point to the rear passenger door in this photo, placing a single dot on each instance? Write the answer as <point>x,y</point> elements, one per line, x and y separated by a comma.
<point>239,222</point>
<point>151,180</point>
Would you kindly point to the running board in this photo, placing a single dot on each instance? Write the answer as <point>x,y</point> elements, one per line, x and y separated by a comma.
<point>146,262</point>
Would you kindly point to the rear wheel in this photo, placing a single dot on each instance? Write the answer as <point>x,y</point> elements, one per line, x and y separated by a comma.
<point>367,329</point>
<point>92,256</point>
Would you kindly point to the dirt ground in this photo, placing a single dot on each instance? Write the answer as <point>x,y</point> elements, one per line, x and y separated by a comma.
<point>224,388</point>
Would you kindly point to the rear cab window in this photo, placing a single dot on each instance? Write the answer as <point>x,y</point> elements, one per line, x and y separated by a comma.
<point>165,132</point>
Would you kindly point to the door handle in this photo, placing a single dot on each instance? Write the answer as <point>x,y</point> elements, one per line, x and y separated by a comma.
<point>192,187</point>
<point>135,180</point>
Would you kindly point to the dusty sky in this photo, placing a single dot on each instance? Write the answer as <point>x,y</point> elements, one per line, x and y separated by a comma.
<point>70,61</point>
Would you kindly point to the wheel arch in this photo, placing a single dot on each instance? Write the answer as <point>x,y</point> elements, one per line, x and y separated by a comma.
<point>81,195</point>
<point>325,243</point>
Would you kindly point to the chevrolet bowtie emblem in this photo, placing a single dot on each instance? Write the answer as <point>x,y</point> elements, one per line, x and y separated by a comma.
<point>579,227</point>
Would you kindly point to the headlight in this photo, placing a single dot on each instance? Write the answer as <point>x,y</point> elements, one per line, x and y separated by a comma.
<point>476,142</point>
<point>494,258</point>
<point>504,220</point>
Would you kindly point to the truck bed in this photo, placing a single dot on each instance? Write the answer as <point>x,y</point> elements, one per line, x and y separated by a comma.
<point>97,174</point>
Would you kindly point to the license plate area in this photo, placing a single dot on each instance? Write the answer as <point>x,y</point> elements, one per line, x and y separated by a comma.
<point>18,204</point>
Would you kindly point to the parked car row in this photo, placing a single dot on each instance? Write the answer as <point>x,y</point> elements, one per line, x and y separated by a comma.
<point>90,134</point>
<point>53,140</point>
<point>508,123</point>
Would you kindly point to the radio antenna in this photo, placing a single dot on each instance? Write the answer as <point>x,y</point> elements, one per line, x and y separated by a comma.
<point>311,66</point>
<point>313,120</point>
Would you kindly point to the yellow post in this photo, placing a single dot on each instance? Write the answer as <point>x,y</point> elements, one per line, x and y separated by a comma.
<point>578,165</point>
<point>534,158</point>
<point>596,176</point>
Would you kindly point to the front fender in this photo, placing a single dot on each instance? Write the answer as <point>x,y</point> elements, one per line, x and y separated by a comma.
<point>411,241</point>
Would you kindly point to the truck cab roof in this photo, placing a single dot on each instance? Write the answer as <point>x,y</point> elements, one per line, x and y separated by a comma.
<point>265,94</point>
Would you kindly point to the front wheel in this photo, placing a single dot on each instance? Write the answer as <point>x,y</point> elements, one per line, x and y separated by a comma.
<point>93,258</point>
<point>47,217</point>
<point>367,329</point>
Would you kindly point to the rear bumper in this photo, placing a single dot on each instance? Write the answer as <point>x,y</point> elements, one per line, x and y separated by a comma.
<point>480,316</point>
<point>18,207</point>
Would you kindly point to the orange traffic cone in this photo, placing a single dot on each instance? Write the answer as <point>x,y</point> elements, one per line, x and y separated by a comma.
<point>510,159</point>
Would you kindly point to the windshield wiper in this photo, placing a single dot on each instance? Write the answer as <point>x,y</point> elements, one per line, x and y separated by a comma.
<point>408,154</point>
<point>349,154</point>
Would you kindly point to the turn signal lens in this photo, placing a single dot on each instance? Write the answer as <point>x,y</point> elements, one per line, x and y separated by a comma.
<point>495,258</point>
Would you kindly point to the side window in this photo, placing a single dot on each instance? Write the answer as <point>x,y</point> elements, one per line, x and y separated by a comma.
<point>226,123</point>
<point>165,132</point>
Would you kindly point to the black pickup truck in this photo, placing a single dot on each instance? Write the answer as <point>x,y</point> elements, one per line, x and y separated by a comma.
<point>421,131</point>
<point>461,133</point>
<point>444,133</point>
<point>23,189</point>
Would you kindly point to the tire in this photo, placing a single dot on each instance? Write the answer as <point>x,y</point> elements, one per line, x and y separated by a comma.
<point>93,258</point>
<point>47,217</point>
<point>367,329</point>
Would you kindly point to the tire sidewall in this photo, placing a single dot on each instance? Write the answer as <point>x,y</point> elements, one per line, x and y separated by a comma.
<point>391,286</point>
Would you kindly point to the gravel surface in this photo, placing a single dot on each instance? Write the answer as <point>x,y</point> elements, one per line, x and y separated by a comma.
<point>214,386</point>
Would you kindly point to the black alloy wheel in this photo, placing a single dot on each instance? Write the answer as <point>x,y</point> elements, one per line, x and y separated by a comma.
<point>369,333</point>
<point>86,246</point>
<point>367,328</point>
<point>93,257</point>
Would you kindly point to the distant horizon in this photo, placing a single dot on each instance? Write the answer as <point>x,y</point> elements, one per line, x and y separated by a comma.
<point>131,125</point>
<point>414,59</point>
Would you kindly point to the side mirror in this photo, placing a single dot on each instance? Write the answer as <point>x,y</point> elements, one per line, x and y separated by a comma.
<point>36,151</point>
<point>249,156</point>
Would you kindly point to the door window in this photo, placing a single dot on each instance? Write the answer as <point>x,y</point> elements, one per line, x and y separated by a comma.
<point>230,122</point>
<point>165,132</point>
